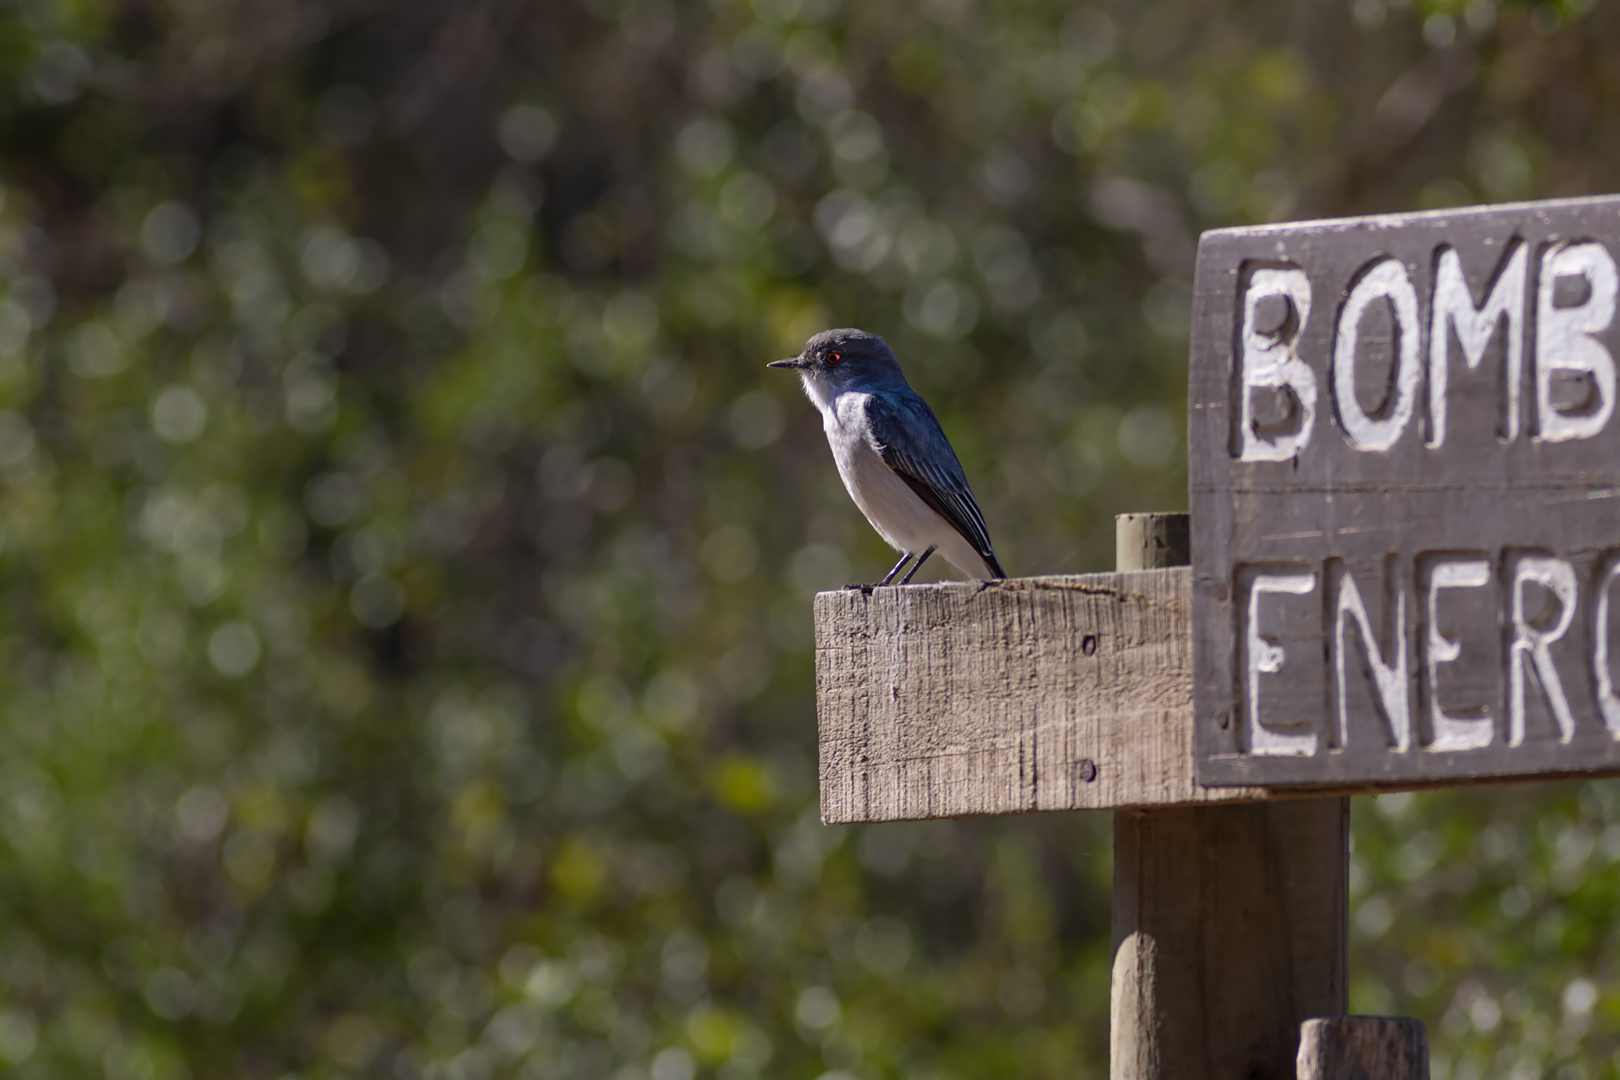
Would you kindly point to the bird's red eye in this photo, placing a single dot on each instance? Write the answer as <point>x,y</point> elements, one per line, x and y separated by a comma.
<point>833,358</point>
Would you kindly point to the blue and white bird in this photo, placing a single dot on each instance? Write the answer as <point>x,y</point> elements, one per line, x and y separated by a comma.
<point>893,458</point>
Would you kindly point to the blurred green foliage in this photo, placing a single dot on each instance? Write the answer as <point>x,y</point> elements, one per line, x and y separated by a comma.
<point>406,559</point>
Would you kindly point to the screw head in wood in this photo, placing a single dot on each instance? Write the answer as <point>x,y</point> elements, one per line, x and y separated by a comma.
<point>1088,644</point>
<point>1088,770</point>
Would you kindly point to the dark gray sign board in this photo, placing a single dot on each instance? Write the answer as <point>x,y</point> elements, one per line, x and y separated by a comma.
<point>1405,495</point>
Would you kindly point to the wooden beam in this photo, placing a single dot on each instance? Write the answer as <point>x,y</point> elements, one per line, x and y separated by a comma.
<point>1355,1047</point>
<point>1048,693</point>
<point>1029,694</point>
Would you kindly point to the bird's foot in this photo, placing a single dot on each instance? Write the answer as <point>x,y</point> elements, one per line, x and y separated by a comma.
<point>866,590</point>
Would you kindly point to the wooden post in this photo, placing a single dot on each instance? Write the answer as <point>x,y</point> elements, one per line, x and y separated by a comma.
<point>1229,922</point>
<point>1356,1047</point>
<point>1151,541</point>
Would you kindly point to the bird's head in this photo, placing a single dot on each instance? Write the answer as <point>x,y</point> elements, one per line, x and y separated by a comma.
<point>835,359</point>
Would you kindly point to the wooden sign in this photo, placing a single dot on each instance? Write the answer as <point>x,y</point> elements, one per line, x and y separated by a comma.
<point>1405,485</point>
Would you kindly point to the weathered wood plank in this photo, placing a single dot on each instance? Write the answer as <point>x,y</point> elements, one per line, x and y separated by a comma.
<point>1050,693</point>
<point>1404,467</point>
<point>1362,1047</point>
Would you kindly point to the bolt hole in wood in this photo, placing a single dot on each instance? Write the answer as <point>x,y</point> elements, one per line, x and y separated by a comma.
<point>1405,485</point>
<point>1088,645</point>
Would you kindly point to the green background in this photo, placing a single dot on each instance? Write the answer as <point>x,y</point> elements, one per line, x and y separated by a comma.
<point>406,559</point>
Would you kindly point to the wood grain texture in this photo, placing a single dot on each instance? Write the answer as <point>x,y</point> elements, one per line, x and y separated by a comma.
<point>1229,927</point>
<point>1363,1048</point>
<point>1049,693</point>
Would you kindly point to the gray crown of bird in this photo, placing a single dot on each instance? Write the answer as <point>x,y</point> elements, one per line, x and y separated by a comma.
<point>892,454</point>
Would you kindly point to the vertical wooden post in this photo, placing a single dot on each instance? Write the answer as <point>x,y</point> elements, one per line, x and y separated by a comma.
<point>1353,1047</point>
<point>1229,922</point>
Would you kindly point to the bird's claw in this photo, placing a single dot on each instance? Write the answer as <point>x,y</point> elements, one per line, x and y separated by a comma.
<point>866,590</point>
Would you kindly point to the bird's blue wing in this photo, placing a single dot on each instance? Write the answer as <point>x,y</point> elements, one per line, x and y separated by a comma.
<point>908,437</point>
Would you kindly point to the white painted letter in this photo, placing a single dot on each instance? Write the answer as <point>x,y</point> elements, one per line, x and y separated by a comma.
<point>1608,701</point>
<point>1266,656</point>
<point>1451,732</point>
<point>1531,641</point>
<point>1269,362</point>
<point>1385,280</point>
<point>1454,307</point>
<point>1565,341</point>
<point>1389,681</point>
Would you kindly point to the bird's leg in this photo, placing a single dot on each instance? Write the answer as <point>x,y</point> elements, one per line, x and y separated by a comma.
<point>867,589</point>
<point>899,566</point>
<point>920,560</point>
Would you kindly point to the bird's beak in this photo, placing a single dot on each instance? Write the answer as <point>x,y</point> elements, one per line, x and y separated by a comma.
<point>790,362</point>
